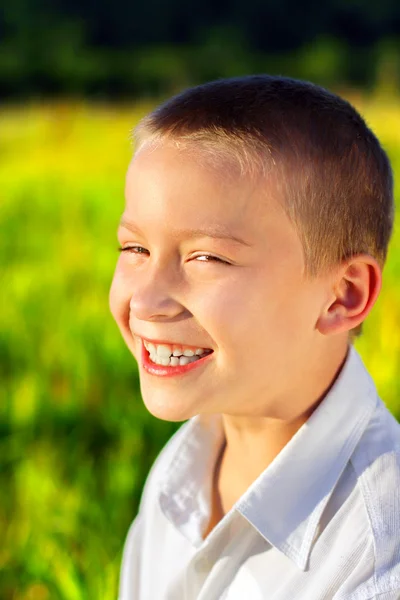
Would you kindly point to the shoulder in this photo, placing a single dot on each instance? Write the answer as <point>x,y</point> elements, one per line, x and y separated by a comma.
<point>148,520</point>
<point>376,461</point>
<point>162,464</point>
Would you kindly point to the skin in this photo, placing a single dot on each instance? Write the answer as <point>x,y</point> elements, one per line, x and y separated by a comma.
<point>279,337</point>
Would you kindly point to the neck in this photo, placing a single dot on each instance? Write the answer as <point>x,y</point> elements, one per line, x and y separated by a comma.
<point>252,443</point>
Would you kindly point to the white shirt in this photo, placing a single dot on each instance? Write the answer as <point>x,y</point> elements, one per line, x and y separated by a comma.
<point>321,522</point>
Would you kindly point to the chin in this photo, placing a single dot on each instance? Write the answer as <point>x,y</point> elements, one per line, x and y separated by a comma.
<point>167,407</point>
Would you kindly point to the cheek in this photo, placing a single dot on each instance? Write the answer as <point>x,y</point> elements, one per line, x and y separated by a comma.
<point>119,307</point>
<point>229,310</point>
<point>119,298</point>
<point>254,314</point>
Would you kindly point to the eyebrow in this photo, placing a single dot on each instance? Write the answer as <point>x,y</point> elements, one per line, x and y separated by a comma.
<point>212,232</point>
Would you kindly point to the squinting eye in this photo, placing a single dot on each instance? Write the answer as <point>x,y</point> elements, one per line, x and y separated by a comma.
<point>209,258</point>
<point>133,249</point>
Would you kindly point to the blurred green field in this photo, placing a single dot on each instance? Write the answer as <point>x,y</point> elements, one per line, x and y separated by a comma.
<point>75,440</point>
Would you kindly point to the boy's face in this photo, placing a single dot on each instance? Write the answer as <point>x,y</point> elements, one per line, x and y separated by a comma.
<point>251,304</point>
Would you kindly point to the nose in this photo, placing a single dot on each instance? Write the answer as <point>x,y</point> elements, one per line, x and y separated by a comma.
<point>155,295</point>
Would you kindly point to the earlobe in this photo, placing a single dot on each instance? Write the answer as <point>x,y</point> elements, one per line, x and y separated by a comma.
<point>356,289</point>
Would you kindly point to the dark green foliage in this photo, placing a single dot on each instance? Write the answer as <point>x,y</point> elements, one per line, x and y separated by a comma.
<point>119,49</point>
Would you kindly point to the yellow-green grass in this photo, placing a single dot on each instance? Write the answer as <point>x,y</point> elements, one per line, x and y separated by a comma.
<point>75,440</point>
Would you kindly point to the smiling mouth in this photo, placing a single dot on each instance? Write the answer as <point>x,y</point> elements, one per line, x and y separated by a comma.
<point>174,355</point>
<point>163,359</point>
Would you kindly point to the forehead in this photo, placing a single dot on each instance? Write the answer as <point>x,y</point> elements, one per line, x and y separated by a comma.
<point>173,161</point>
<point>175,187</point>
<point>190,170</point>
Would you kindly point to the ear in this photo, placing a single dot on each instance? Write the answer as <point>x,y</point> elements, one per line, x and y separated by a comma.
<point>355,288</point>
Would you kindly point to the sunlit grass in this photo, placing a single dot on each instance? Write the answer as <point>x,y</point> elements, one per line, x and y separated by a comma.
<point>75,440</point>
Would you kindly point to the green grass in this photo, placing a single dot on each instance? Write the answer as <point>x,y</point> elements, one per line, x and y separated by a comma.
<point>75,440</point>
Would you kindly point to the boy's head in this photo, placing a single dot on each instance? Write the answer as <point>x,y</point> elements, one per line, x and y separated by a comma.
<point>292,169</point>
<point>335,179</point>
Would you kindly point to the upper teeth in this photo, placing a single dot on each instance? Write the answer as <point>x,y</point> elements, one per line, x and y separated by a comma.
<point>166,350</point>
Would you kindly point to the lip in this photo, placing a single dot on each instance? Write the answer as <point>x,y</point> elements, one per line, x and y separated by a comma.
<point>168,343</point>
<point>161,371</point>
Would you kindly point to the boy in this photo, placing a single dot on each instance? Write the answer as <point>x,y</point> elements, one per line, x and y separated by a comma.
<point>258,215</point>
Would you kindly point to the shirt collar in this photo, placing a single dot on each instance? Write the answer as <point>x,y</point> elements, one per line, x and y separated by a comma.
<point>287,500</point>
<point>185,488</point>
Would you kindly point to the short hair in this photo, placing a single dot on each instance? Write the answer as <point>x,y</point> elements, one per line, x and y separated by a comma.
<point>336,179</point>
